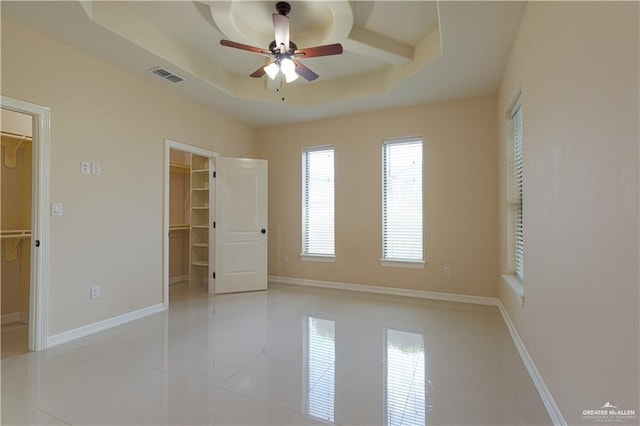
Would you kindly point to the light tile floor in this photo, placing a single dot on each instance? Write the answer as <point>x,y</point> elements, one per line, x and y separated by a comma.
<point>14,339</point>
<point>286,356</point>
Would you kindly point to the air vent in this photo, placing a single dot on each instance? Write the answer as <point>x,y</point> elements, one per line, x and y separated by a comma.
<point>174,78</point>
<point>161,72</point>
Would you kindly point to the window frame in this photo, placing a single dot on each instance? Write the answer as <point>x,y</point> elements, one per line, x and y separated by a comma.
<point>315,257</point>
<point>399,262</point>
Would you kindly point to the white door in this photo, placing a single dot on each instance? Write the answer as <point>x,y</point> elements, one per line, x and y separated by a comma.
<point>241,225</point>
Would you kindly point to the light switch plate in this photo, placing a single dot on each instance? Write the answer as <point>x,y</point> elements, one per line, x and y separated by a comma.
<point>96,169</point>
<point>56,209</point>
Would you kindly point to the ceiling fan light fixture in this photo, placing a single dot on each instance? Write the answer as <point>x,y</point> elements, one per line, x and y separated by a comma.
<point>272,70</point>
<point>289,70</point>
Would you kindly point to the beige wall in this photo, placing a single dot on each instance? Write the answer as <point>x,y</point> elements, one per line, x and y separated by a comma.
<point>577,66</point>
<point>111,231</point>
<point>459,185</point>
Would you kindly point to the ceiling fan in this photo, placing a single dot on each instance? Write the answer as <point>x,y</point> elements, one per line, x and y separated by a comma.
<point>283,53</point>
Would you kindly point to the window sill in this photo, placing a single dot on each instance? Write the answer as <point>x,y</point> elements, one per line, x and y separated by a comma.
<point>516,286</point>
<point>414,264</point>
<point>318,258</point>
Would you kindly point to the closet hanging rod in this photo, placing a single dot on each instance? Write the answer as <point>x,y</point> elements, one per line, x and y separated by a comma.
<point>16,136</point>
<point>16,236</point>
<point>15,233</point>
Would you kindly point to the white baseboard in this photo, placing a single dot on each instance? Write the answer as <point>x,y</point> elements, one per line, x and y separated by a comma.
<point>178,279</point>
<point>22,317</point>
<point>421,294</point>
<point>85,330</point>
<point>538,381</point>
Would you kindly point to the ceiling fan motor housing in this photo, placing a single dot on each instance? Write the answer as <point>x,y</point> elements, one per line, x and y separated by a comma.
<point>283,8</point>
<point>275,50</point>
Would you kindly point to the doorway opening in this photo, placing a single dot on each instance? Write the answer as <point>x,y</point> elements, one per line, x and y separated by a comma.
<point>24,226</point>
<point>188,222</point>
<point>15,223</point>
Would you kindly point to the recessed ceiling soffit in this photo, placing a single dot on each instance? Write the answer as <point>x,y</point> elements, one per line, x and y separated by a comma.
<point>383,44</point>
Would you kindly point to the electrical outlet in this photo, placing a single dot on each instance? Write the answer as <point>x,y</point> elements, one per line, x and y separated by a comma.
<point>85,167</point>
<point>447,271</point>
<point>95,292</point>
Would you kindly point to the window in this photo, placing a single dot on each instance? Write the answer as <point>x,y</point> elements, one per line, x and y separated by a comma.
<point>318,203</point>
<point>402,202</point>
<point>516,116</point>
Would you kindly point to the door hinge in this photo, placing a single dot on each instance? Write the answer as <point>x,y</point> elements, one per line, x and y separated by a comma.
<point>214,275</point>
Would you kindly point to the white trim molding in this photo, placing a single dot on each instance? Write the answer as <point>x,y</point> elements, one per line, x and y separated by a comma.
<point>318,258</point>
<point>394,263</point>
<point>420,294</point>
<point>85,330</point>
<point>538,381</point>
<point>516,286</point>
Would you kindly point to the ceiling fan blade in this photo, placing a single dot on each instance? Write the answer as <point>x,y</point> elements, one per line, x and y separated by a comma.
<point>281,28</point>
<point>258,73</point>
<point>305,72</point>
<point>246,47</point>
<point>326,50</point>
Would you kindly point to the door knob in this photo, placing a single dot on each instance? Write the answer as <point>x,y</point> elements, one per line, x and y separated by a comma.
<point>264,231</point>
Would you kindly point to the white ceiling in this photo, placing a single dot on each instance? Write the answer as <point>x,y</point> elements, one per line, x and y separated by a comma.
<point>396,53</point>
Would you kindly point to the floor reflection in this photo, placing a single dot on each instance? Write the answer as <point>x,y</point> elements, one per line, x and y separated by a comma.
<point>405,402</point>
<point>288,356</point>
<point>319,376</point>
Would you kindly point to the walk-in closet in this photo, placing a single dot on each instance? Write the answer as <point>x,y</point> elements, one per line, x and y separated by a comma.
<point>15,226</point>
<point>189,222</point>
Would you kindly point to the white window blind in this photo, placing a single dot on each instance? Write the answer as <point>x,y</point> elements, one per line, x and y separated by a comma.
<point>518,169</point>
<point>318,201</point>
<point>402,200</point>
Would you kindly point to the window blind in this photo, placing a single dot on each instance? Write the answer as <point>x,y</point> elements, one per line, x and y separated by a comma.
<point>518,168</point>
<point>318,201</point>
<point>402,200</point>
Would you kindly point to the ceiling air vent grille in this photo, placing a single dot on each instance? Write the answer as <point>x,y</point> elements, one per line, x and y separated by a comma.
<point>161,72</point>
<point>174,78</point>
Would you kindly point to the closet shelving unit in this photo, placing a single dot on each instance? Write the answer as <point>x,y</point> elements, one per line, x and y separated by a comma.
<point>199,216</point>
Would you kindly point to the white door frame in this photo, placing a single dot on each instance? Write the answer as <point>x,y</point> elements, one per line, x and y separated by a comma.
<point>39,279</point>
<point>179,146</point>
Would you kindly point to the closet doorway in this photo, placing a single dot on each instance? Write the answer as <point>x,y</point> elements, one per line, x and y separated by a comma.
<point>24,193</point>
<point>189,195</point>
<point>15,223</point>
